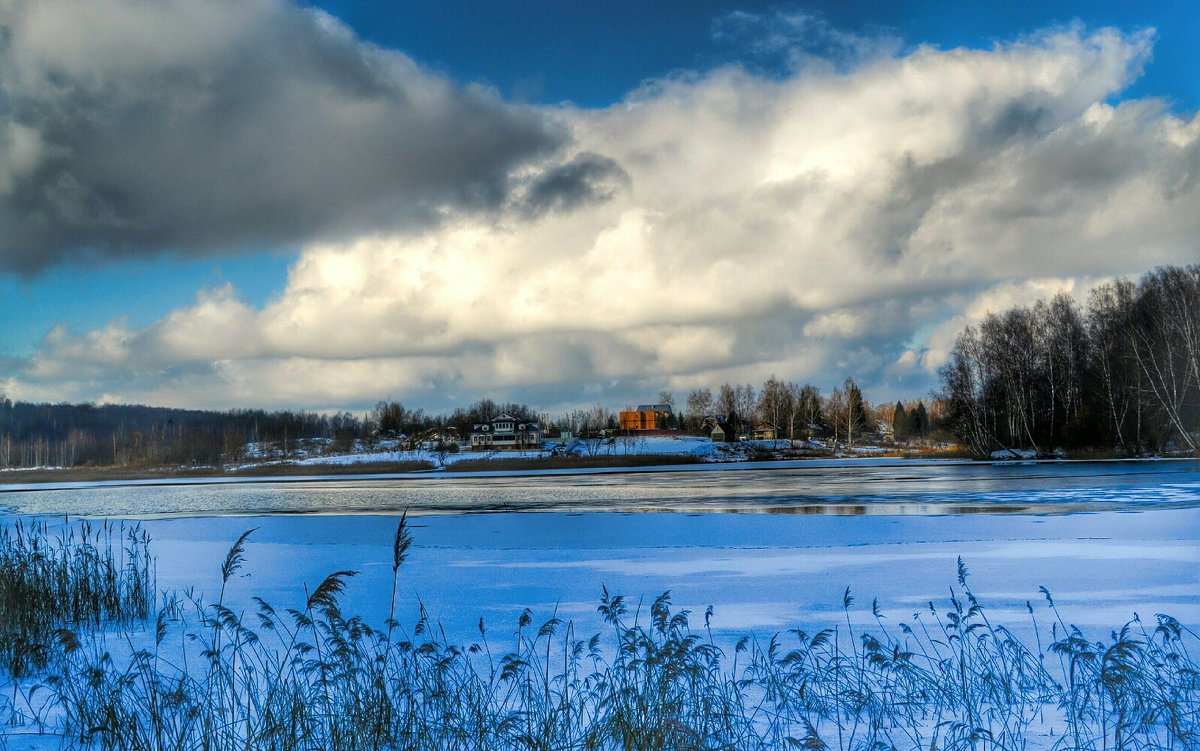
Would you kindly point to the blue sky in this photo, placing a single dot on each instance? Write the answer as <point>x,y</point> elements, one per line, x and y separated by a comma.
<point>594,53</point>
<point>140,291</point>
<point>191,193</point>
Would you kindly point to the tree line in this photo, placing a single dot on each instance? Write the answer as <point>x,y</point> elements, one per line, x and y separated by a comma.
<point>1122,372</point>
<point>72,435</point>
<point>793,411</point>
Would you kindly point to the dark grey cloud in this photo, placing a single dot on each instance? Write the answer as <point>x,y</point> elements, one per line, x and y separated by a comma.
<point>198,127</point>
<point>586,179</point>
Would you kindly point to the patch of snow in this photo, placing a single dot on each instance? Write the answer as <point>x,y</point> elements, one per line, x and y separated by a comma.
<point>1014,454</point>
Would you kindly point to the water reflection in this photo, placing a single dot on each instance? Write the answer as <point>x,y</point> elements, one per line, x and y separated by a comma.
<point>899,489</point>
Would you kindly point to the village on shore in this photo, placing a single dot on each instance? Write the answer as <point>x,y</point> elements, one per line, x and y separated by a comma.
<point>646,434</point>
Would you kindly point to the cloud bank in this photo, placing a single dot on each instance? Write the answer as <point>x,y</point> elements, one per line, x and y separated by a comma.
<point>199,127</point>
<point>725,225</point>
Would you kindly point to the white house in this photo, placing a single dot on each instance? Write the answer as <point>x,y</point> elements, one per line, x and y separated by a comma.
<point>506,432</point>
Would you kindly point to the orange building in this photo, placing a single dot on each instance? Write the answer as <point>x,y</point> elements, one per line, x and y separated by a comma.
<point>645,417</point>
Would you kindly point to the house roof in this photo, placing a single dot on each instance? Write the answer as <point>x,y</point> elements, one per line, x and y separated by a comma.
<point>654,408</point>
<point>521,425</point>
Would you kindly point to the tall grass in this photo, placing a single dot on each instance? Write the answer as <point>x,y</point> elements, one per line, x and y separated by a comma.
<point>313,677</point>
<point>83,575</point>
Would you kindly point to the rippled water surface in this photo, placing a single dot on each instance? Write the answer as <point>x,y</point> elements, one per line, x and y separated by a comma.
<point>852,487</point>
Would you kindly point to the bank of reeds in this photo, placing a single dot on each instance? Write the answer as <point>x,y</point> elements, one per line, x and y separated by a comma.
<point>83,575</point>
<point>313,677</point>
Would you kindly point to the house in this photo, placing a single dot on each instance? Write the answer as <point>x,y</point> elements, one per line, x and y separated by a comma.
<point>645,418</point>
<point>506,432</point>
<point>719,430</point>
<point>764,431</point>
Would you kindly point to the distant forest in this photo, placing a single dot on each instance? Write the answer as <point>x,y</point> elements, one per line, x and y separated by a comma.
<point>1122,373</point>
<point>74,435</point>
<point>70,435</point>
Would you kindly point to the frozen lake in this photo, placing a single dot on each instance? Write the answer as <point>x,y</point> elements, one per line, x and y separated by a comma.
<point>770,548</point>
<point>855,487</point>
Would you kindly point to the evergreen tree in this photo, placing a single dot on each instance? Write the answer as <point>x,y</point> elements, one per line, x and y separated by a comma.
<point>901,426</point>
<point>919,421</point>
<point>856,411</point>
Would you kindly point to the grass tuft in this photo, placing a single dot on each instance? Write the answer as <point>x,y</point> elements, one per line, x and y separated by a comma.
<point>81,575</point>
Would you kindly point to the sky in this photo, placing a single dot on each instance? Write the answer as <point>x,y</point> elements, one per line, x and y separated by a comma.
<point>317,205</point>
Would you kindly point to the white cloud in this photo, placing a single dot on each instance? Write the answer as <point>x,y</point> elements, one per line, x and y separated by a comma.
<point>732,226</point>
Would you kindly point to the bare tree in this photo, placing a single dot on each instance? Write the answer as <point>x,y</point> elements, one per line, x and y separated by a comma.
<point>777,404</point>
<point>589,427</point>
<point>745,398</point>
<point>856,411</point>
<point>808,407</point>
<point>836,413</point>
<point>1166,347</point>
<point>699,406</point>
<point>726,403</point>
<point>1108,315</point>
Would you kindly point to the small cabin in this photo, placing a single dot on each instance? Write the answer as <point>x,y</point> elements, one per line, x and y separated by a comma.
<point>764,431</point>
<point>720,431</point>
